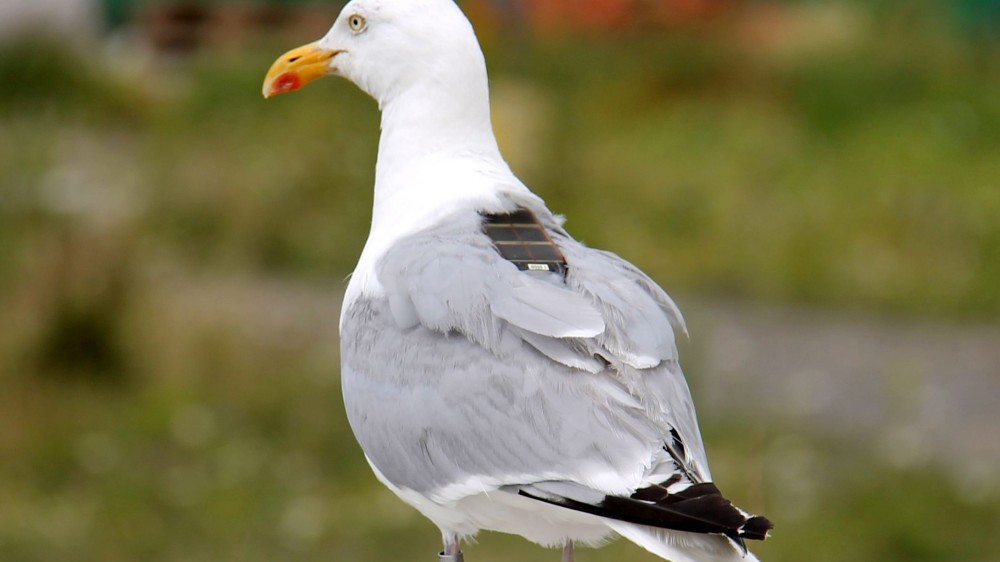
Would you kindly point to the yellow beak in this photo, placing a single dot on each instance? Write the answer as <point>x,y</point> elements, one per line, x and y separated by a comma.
<point>296,68</point>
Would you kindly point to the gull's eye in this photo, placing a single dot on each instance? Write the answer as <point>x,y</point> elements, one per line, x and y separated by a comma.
<point>357,22</point>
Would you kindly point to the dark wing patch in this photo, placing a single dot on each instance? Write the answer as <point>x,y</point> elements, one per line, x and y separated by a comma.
<point>699,508</point>
<point>521,239</point>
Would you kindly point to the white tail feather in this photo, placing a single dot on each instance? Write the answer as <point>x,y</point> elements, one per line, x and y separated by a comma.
<point>679,546</point>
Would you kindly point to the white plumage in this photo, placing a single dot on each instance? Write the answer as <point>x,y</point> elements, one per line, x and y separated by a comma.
<point>490,396</point>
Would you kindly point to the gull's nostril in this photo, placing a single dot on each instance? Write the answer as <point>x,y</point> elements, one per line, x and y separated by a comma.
<point>293,59</point>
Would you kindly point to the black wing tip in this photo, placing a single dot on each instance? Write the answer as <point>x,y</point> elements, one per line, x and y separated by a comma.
<point>756,528</point>
<point>699,508</point>
<point>708,504</point>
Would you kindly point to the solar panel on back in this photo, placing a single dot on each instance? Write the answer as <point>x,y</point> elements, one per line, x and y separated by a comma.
<point>522,240</point>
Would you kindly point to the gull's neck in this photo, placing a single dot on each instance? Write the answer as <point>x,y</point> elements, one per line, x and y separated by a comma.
<point>437,155</point>
<point>428,119</point>
<point>437,151</point>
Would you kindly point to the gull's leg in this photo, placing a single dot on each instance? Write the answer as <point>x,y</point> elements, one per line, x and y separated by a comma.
<point>452,549</point>
<point>568,552</point>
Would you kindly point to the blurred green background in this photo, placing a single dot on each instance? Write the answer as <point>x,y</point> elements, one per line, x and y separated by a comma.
<point>817,184</point>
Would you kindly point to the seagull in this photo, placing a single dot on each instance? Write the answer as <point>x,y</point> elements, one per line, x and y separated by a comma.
<point>498,374</point>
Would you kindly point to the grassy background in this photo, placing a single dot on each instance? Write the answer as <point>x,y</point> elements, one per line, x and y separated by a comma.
<point>172,250</point>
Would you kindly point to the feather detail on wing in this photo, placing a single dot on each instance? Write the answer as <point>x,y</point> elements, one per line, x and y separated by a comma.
<point>614,312</point>
<point>603,318</point>
<point>544,309</point>
<point>465,286</point>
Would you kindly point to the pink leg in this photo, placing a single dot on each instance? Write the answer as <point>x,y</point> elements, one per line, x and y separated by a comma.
<point>568,552</point>
<point>452,549</point>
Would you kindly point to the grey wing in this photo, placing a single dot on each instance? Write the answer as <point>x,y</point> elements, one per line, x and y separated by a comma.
<point>447,417</point>
<point>640,339</point>
<point>470,375</point>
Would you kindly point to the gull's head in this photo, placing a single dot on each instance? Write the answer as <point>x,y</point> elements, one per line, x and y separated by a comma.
<point>387,47</point>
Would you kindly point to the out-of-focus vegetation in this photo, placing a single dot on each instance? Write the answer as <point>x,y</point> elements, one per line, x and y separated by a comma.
<point>172,250</point>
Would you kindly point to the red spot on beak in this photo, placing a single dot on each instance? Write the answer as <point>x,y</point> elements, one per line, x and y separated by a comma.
<point>287,82</point>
